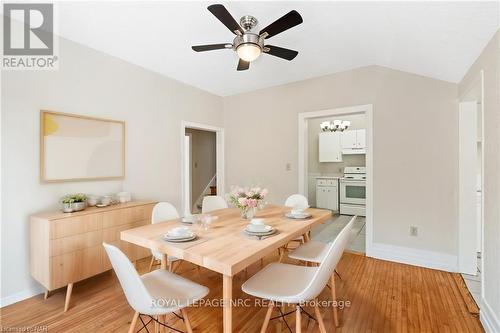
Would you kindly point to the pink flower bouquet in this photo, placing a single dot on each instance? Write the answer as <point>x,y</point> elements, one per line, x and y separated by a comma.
<point>247,199</point>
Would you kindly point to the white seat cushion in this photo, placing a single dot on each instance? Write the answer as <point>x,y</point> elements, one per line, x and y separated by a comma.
<point>312,251</point>
<point>280,283</point>
<point>174,291</point>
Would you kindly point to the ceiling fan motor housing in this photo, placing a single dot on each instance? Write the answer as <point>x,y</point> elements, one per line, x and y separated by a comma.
<point>248,22</point>
<point>248,38</point>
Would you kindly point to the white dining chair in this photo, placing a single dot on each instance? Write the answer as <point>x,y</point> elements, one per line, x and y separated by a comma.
<point>297,201</point>
<point>154,294</point>
<point>212,202</point>
<point>162,211</point>
<point>294,201</point>
<point>299,284</point>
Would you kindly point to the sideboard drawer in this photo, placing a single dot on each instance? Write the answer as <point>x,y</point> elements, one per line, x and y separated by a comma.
<point>68,244</point>
<point>141,213</point>
<point>75,266</point>
<point>117,217</point>
<point>75,225</point>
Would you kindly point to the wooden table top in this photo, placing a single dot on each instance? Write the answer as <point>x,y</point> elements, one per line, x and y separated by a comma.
<point>224,248</point>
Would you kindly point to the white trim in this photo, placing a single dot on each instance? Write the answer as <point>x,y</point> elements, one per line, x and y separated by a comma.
<point>415,257</point>
<point>20,296</point>
<point>219,131</point>
<point>491,323</point>
<point>367,109</point>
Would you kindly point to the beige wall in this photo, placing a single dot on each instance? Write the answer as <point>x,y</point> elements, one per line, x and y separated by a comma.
<point>203,161</point>
<point>315,168</point>
<point>488,61</point>
<point>90,83</point>
<point>415,167</point>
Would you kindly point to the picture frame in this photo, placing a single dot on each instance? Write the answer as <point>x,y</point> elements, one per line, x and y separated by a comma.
<point>80,148</point>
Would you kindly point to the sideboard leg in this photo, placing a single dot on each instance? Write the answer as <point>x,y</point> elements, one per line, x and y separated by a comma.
<point>46,294</point>
<point>68,296</point>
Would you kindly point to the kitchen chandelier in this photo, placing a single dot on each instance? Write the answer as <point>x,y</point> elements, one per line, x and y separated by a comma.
<point>334,126</point>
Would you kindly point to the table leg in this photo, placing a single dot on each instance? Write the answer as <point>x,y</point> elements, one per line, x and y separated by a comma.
<point>227,296</point>
<point>164,261</point>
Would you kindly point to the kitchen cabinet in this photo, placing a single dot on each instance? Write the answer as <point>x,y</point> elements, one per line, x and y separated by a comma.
<point>327,193</point>
<point>353,141</point>
<point>330,149</point>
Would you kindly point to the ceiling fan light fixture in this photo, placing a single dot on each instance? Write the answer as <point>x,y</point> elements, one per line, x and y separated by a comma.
<point>248,51</point>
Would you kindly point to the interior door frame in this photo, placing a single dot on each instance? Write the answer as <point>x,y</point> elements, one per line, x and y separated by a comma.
<point>220,161</point>
<point>469,95</point>
<point>303,176</point>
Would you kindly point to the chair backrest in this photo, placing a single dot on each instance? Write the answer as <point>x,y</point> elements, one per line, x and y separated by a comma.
<point>136,293</point>
<point>163,211</point>
<point>296,200</point>
<point>327,266</point>
<point>213,202</point>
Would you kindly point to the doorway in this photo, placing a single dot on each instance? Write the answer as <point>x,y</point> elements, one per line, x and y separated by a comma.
<point>202,157</point>
<point>471,196</point>
<point>305,120</point>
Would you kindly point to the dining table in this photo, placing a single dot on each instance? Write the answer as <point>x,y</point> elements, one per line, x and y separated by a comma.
<point>223,246</point>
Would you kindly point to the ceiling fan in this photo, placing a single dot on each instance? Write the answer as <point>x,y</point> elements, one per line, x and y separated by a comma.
<point>248,44</point>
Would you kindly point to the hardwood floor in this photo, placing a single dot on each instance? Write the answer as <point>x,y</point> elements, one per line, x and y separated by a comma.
<point>384,296</point>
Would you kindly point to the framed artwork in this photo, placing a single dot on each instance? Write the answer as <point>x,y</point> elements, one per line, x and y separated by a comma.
<point>78,148</point>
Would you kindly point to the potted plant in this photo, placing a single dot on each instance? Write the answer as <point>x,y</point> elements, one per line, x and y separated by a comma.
<point>73,202</point>
<point>247,200</point>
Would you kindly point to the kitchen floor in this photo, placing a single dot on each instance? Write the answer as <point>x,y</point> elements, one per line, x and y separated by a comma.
<point>330,229</point>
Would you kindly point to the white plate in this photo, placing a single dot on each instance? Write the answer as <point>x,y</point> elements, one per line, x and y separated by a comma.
<point>272,230</point>
<point>182,232</point>
<point>258,228</point>
<point>179,240</point>
<point>298,216</point>
<point>260,234</point>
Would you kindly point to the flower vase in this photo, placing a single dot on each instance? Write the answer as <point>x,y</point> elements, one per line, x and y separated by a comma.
<point>248,213</point>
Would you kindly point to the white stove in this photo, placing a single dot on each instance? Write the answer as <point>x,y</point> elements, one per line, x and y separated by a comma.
<point>353,191</point>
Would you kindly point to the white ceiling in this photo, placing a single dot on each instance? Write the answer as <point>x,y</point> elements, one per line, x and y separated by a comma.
<point>439,39</point>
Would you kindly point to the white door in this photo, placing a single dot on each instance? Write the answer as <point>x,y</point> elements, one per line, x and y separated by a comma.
<point>361,138</point>
<point>329,147</point>
<point>467,170</point>
<point>320,197</point>
<point>349,140</point>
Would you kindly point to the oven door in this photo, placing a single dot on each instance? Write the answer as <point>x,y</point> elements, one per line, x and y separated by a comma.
<point>353,191</point>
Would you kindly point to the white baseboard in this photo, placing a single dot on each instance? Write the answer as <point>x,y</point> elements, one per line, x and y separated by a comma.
<point>491,323</point>
<point>20,296</point>
<point>415,257</point>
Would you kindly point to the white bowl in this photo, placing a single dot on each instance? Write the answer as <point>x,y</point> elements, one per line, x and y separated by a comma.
<point>258,228</point>
<point>179,232</point>
<point>257,222</point>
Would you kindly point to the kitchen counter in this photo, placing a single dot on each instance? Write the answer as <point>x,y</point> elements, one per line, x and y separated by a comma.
<point>328,177</point>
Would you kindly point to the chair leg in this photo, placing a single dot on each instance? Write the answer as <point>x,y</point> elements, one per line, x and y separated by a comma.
<point>321,324</point>
<point>334,299</point>
<point>151,263</point>
<point>268,318</point>
<point>133,323</point>
<point>198,270</point>
<point>186,321</point>
<point>68,296</point>
<point>157,325</point>
<point>298,320</point>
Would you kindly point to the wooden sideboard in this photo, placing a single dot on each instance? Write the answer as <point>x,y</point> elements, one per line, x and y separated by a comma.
<point>67,247</point>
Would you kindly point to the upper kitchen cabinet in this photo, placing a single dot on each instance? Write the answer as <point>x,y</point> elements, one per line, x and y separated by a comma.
<point>354,142</point>
<point>330,148</point>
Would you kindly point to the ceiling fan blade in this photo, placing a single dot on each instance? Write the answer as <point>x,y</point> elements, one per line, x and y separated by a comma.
<point>210,47</point>
<point>281,52</point>
<point>225,17</point>
<point>285,22</point>
<point>243,65</point>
